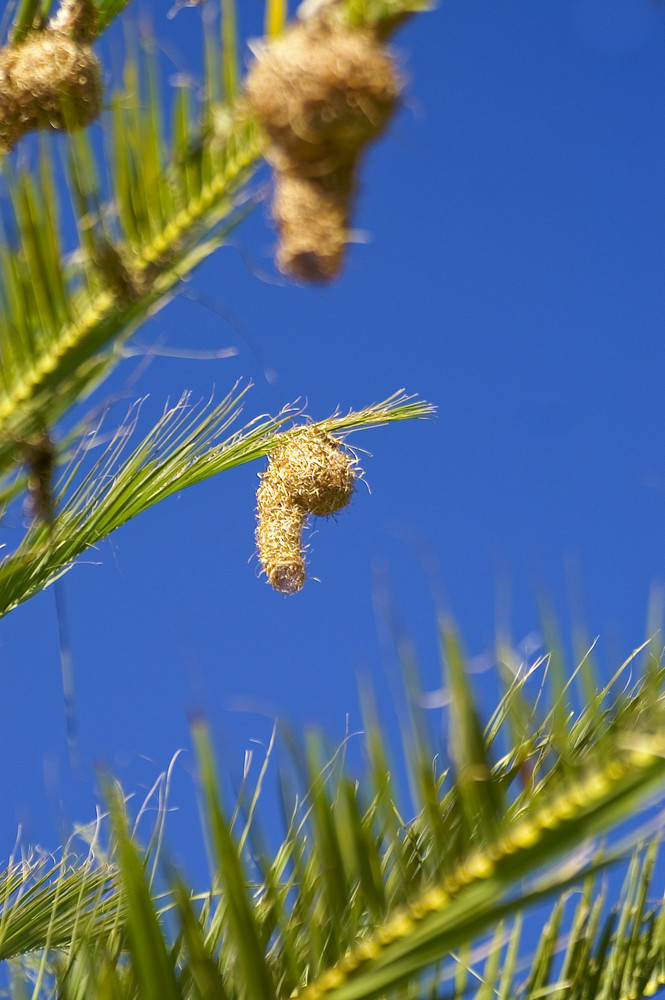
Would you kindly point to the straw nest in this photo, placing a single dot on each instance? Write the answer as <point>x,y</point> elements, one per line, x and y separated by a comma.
<point>47,81</point>
<point>310,474</point>
<point>321,91</point>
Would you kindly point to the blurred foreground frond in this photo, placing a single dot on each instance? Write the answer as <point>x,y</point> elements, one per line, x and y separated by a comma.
<point>512,888</point>
<point>46,903</point>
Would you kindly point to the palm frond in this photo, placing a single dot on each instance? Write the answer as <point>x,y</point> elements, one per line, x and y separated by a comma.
<point>275,17</point>
<point>168,203</point>
<point>158,217</point>
<point>384,15</point>
<point>34,14</point>
<point>187,445</point>
<point>53,334</point>
<point>359,902</point>
<point>312,921</point>
<point>152,964</point>
<point>44,903</point>
<point>146,211</point>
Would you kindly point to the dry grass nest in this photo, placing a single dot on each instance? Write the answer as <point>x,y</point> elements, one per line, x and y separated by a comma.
<point>309,474</point>
<point>47,81</point>
<point>322,92</point>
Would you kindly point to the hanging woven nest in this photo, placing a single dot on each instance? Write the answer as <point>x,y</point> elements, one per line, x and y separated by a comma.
<point>311,474</point>
<point>322,92</point>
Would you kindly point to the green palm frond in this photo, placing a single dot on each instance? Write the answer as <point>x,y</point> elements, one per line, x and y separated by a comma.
<point>445,897</point>
<point>45,903</point>
<point>147,209</point>
<point>359,902</point>
<point>186,446</point>
<point>372,892</point>
<point>590,949</point>
<point>275,17</point>
<point>386,15</point>
<point>158,217</point>
<point>32,14</point>
<point>55,334</point>
<point>168,205</point>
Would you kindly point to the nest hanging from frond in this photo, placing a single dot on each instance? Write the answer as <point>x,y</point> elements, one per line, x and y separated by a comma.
<point>322,92</point>
<point>310,474</point>
<point>47,81</point>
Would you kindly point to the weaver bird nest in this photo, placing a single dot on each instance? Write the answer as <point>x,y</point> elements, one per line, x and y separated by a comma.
<point>309,474</point>
<point>322,92</point>
<point>48,81</point>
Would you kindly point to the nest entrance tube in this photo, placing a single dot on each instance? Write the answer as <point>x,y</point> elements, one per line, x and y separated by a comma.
<point>311,474</point>
<point>278,535</point>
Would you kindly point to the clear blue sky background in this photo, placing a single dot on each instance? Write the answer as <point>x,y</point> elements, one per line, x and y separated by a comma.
<point>514,276</point>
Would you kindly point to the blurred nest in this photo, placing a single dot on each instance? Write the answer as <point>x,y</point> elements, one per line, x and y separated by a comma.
<point>322,92</point>
<point>48,81</point>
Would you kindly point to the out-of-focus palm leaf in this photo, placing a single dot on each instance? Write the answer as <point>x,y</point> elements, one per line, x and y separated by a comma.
<point>351,906</point>
<point>44,903</point>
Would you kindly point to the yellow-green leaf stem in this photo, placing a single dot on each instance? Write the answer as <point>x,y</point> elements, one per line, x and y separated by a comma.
<point>275,18</point>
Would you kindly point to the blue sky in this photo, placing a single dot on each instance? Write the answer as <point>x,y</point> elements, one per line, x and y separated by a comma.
<point>513,275</point>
